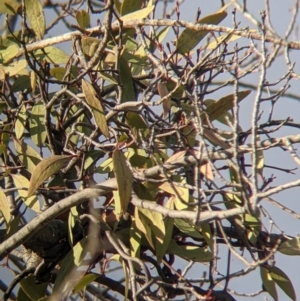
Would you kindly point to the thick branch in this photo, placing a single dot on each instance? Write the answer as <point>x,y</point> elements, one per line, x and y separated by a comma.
<point>177,23</point>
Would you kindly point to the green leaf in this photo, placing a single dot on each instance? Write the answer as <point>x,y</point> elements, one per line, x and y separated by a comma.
<point>73,216</point>
<point>129,6</point>
<point>290,247</point>
<point>124,178</point>
<point>95,103</point>
<point>139,14</point>
<point>21,83</point>
<point>190,252</point>
<point>21,122</point>
<point>135,239</point>
<point>58,72</point>
<point>21,182</point>
<point>32,290</point>
<point>223,105</point>
<point>126,80</point>
<point>10,7</point>
<point>22,296</point>
<point>92,157</point>
<point>189,38</point>
<point>52,55</point>
<point>89,45</point>
<point>28,156</point>
<point>283,281</point>
<point>70,264</point>
<point>4,207</point>
<point>44,170</point>
<point>84,281</point>
<point>36,124</point>
<point>35,15</point>
<point>268,283</point>
<point>13,68</point>
<point>83,19</point>
<point>8,53</point>
<point>186,228</point>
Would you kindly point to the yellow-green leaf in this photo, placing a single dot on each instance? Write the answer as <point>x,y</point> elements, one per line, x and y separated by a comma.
<point>135,238</point>
<point>268,283</point>
<point>28,156</point>
<point>8,53</point>
<point>4,208</point>
<point>10,7</point>
<point>33,81</point>
<point>89,45</point>
<point>290,247</point>
<point>20,122</point>
<point>52,55</point>
<point>223,105</point>
<point>44,170</point>
<point>140,14</point>
<point>21,83</point>
<point>95,103</point>
<point>58,72</point>
<point>13,68</point>
<point>188,252</point>
<point>36,124</point>
<point>84,281</point>
<point>189,38</point>
<point>126,79</point>
<point>129,6</point>
<point>20,183</point>
<point>83,19</point>
<point>35,15</point>
<point>123,176</point>
<point>70,264</point>
<point>283,281</point>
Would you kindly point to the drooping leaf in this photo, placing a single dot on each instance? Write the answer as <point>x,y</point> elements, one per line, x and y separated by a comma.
<point>268,283</point>
<point>126,79</point>
<point>84,282</point>
<point>123,176</point>
<point>20,183</point>
<point>83,18</point>
<point>4,208</point>
<point>189,38</point>
<point>45,169</point>
<point>28,156</point>
<point>35,15</point>
<point>95,103</point>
